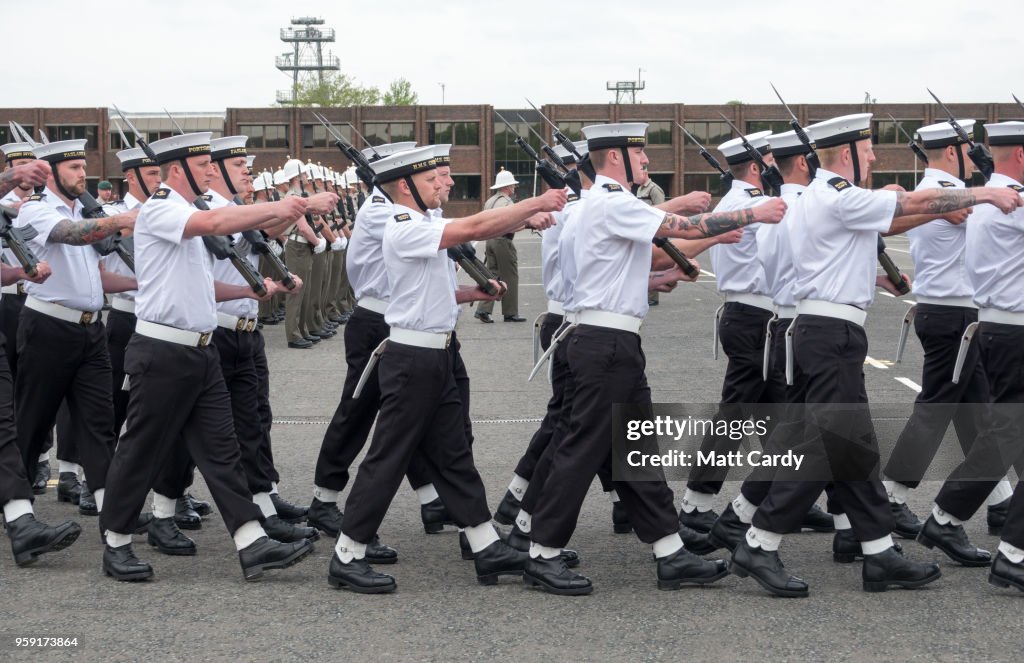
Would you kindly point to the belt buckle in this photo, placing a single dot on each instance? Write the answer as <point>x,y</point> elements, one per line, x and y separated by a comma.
<point>21,288</point>
<point>240,324</point>
<point>447,340</point>
<point>204,339</point>
<point>250,325</point>
<point>86,318</point>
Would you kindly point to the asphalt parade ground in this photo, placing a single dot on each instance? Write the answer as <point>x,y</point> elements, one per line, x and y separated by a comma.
<point>200,608</point>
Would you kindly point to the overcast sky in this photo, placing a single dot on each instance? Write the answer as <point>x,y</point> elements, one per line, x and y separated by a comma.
<point>191,55</point>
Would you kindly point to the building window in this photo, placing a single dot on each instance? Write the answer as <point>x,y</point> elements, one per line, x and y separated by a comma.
<point>885,132</point>
<point>774,126</point>
<point>509,156</point>
<point>265,135</point>
<point>659,133</point>
<point>467,187</point>
<point>57,132</point>
<point>7,137</point>
<point>906,180</point>
<point>379,133</point>
<point>664,180</point>
<point>710,182</point>
<point>315,135</point>
<point>456,133</point>
<point>710,133</point>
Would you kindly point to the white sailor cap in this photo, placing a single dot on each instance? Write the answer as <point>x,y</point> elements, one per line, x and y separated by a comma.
<point>181,146</point>
<point>840,130</point>
<point>405,163</point>
<point>292,168</point>
<point>1005,133</point>
<point>442,153</point>
<point>14,151</point>
<point>249,159</point>
<point>280,177</point>
<point>735,153</point>
<point>620,134</point>
<point>228,147</point>
<point>943,134</point>
<point>350,177</point>
<point>387,149</point>
<point>565,155</point>
<point>134,157</point>
<point>259,181</point>
<point>60,150</point>
<point>581,147</point>
<point>787,144</point>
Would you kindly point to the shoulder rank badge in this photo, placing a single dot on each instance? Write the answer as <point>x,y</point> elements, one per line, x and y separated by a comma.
<point>1016,187</point>
<point>572,197</point>
<point>207,197</point>
<point>35,197</point>
<point>946,185</point>
<point>377,199</point>
<point>613,187</point>
<point>754,193</point>
<point>161,193</point>
<point>839,183</point>
<point>404,216</point>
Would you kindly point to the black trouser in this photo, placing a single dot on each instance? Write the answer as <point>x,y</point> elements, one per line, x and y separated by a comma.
<point>421,408</point>
<point>1001,444</point>
<point>742,330</point>
<point>266,415</point>
<point>60,360</point>
<point>607,368</point>
<point>837,441</point>
<point>177,398</point>
<point>14,483</point>
<point>941,401</point>
<point>350,426</point>
<point>10,315</point>
<point>120,327</point>
<point>559,372</point>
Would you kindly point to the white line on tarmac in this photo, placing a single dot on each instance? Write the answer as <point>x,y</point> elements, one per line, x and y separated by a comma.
<point>907,382</point>
<point>871,361</point>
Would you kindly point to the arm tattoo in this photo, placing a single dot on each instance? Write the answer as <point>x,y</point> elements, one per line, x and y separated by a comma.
<point>711,224</point>
<point>900,199</point>
<point>948,201</point>
<point>79,233</point>
<point>6,182</point>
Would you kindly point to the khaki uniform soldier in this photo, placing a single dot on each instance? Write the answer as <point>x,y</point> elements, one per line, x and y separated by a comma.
<point>501,256</point>
<point>653,195</point>
<point>299,251</point>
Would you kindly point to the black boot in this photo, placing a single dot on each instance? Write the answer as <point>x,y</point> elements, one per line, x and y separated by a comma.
<point>141,524</point>
<point>552,575</point>
<point>279,530</point>
<point>846,548</point>
<point>684,568</point>
<point>185,517</point>
<point>266,554</point>
<point>521,541</point>
<point>905,522</point>
<point>952,540</point>
<point>702,521</point>
<point>68,488</point>
<point>620,519</point>
<point>434,516</point>
<point>817,520</point>
<point>289,512</point>
<point>498,559</point>
<point>31,538</point>
<point>765,566</point>
<point>325,516</point>
<point>728,530</point>
<point>165,536</point>
<point>695,542</point>
<point>42,477</point>
<point>378,553</point>
<point>358,576</point>
<point>997,517</point>
<point>508,509</point>
<point>891,569</point>
<point>1005,573</point>
<point>121,564</point>
<point>87,501</point>
<point>201,507</point>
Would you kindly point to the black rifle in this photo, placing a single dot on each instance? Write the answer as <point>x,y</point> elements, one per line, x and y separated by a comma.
<point>890,268</point>
<point>547,172</point>
<point>114,243</point>
<point>771,178</point>
<point>724,175</point>
<point>223,248</point>
<point>978,153</point>
<point>911,143</point>
<point>812,157</point>
<point>582,161</point>
<point>569,176</point>
<point>363,169</point>
<point>261,245</point>
<point>15,239</point>
<point>666,245</point>
<point>471,264</point>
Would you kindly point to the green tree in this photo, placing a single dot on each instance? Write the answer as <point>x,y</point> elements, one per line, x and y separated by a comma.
<point>335,90</point>
<point>400,93</point>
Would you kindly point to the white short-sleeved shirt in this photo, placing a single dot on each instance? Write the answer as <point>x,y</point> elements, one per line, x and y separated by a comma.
<point>10,200</point>
<point>175,275</point>
<point>550,253</point>
<point>613,252</point>
<point>774,253</point>
<point>939,248</point>
<point>567,252</point>
<point>75,281</point>
<point>737,269</point>
<point>834,237</point>
<point>225,272</point>
<point>112,262</point>
<point>422,276</point>
<point>995,253</point>
<point>364,259</point>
